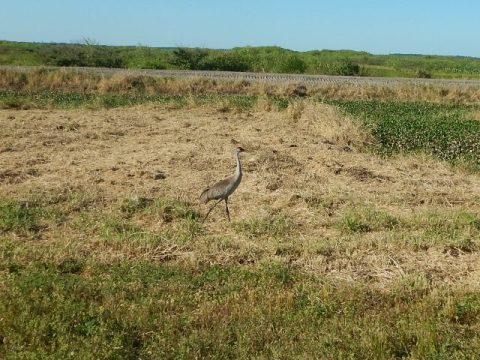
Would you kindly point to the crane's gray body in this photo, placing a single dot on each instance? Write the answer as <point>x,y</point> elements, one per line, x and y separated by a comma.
<point>224,188</point>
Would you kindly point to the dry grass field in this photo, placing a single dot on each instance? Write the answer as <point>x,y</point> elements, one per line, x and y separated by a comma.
<point>348,214</point>
<point>332,252</point>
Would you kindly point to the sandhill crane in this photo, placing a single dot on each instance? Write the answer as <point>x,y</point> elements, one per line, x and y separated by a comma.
<point>224,188</point>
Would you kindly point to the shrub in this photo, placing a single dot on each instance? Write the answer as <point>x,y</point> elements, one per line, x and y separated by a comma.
<point>423,74</point>
<point>224,62</point>
<point>347,68</point>
<point>188,59</point>
<point>292,64</point>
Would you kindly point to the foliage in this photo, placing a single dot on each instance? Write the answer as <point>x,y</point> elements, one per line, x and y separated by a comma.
<point>444,130</point>
<point>256,59</point>
<point>189,59</point>
<point>224,62</point>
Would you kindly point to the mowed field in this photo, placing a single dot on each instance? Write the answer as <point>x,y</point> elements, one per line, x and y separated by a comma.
<point>336,249</point>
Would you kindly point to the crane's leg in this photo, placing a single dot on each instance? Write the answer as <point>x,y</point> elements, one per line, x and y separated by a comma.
<point>208,213</point>
<point>226,208</point>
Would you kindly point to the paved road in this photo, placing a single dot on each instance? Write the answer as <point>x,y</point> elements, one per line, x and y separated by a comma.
<point>267,77</point>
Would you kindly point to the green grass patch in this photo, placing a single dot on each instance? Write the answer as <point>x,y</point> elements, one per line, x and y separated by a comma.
<point>150,310</point>
<point>366,219</point>
<point>50,99</point>
<point>170,209</point>
<point>274,226</point>
<point>16,216</point>
<point>443,130</point>
<point>65,100</point>
<point>123,229</point>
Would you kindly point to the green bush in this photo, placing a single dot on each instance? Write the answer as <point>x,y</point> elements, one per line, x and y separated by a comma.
<point>291,63</point>
<point>224,62</point>
<point>423,74</point>
<point>81,55</point>
<point>189,59</point>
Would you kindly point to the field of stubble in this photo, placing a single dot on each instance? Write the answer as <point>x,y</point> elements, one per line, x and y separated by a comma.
<point>332,252</point>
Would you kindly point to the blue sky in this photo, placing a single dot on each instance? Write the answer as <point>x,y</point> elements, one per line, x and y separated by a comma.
<point>428,27</point>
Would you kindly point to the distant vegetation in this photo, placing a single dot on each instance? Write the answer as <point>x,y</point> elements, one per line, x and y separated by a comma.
<point>252,59</point>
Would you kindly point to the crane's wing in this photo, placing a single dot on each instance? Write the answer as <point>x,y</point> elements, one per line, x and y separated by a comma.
<point>216,191</point>
<point>204,196</point>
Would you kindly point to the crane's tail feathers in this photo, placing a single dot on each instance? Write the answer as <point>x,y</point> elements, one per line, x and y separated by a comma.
<point>204,197</point>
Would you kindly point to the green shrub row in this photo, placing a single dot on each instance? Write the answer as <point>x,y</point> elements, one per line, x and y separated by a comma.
<point>254,59</point>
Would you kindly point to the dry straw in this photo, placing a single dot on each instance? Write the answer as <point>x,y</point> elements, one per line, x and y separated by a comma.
<point>125,83</point>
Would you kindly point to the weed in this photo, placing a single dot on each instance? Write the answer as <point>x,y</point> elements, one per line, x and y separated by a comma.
<point>366,219</point>
<point>170,209</point>
<point>275,226</point>
<point>135,204</point>
<point>18,216</point>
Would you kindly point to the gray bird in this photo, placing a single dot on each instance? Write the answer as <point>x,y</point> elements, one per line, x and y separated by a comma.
<point>224,188</point>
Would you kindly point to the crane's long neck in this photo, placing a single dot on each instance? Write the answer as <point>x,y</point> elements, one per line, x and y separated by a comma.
<point>238,170</point>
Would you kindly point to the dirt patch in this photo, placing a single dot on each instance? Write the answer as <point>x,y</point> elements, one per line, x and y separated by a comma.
<point>362,174</point>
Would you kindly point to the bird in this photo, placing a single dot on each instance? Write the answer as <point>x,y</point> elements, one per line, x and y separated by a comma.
<point>222,189</point>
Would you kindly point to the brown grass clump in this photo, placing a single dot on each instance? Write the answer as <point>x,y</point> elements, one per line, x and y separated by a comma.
<point>333,128</point>
<point>474,115</point>
<point>128,84</point>
<point>49,80</point>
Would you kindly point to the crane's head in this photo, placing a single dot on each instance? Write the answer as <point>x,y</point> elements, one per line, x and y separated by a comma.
<point>239,149</point>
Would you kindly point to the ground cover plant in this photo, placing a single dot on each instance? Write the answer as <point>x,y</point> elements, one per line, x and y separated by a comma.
<point>448,131</point>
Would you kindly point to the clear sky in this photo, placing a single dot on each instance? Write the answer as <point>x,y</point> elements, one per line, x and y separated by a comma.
<point>444,27</point>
